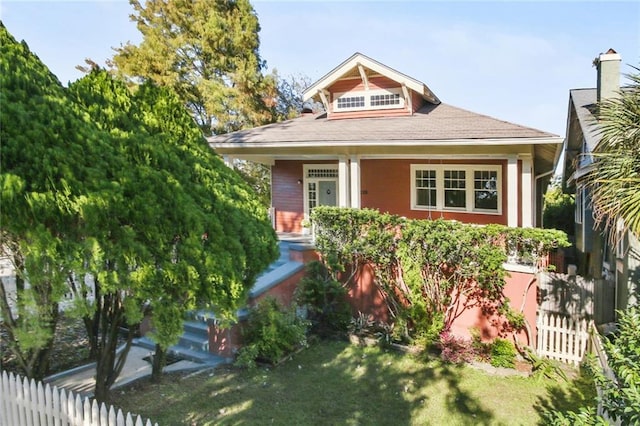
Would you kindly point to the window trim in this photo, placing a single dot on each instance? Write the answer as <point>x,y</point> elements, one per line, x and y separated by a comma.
<point>469,187</point>
<point>367,99</point>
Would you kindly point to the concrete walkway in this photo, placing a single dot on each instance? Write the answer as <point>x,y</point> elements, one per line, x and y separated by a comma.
<point>81,380</point>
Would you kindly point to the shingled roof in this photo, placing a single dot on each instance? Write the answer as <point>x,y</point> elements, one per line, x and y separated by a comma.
<point>431,124</point>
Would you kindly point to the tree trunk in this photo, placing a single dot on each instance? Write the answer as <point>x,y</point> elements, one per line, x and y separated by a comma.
<point>159,361</point>
<point>108,362</point>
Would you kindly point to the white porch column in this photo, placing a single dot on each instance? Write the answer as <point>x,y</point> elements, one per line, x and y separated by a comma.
<point>343,182</point>
<point>527,192</point>
<point>355,181</point>
<point>512,191</point>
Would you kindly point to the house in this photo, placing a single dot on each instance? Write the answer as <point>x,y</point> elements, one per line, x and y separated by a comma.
<point>386,141</point>
<point>614,270</point>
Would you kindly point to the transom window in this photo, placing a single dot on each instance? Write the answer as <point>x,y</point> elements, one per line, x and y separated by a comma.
<point>371,99</point>
<point>466,188</point>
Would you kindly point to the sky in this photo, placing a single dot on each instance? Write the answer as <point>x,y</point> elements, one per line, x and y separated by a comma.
<point>512,60</point>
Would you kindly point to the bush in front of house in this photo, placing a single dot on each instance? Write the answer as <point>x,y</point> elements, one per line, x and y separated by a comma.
<point>455,349</point>
<point>503,353</point>
<point>272,332</point>
<point>325,300</point>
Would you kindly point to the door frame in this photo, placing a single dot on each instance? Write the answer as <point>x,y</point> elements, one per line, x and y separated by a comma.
<point>308,177</point>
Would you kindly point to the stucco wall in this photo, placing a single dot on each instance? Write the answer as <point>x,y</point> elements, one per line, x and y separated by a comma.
<point>386,186</point>
<point>365,297</point>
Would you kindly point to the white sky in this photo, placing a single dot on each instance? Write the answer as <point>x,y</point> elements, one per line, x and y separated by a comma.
<point>511,60</point>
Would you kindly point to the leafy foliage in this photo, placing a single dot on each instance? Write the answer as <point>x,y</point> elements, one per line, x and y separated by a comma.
<point>455,349</point>
<point>620,397</point>
<point>558,210</point>
<point>429,272</point>
<point>503,353</point>
<point>325,299</point>
<point>121,186</point>
<point>189,231</point>
<point>271,332</point>
<point>614,182</point>
<point>208,53</point>
<point>52,165</point>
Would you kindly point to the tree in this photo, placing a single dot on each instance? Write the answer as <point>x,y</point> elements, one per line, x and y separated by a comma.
<point>614,180</point>
<point>51,165</point>
<point>208,52</point>
<point>186,233</point>
<point>558,210</point>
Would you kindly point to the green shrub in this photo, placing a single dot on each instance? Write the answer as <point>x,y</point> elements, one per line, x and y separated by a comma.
<point>503,353</point>
<point>271,332</point>
<point>325,299</point>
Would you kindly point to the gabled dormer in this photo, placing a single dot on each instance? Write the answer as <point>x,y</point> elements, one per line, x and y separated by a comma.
<point>362,87</point>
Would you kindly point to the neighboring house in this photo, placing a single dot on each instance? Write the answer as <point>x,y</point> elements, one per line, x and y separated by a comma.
<point>615,270</point>
<point>386,141</point>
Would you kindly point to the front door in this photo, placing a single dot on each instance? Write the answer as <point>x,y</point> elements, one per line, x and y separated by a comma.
<point>321,187</point>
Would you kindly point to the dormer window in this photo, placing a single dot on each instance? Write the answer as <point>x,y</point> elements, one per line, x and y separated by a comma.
<point>371,99</point>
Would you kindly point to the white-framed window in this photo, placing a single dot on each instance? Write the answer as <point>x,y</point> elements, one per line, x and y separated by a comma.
<point>579,205</point>
<point>366,100</point>
<point>456,187</point>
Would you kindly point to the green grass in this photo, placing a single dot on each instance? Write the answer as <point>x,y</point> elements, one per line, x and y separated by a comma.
<point>337,383</point>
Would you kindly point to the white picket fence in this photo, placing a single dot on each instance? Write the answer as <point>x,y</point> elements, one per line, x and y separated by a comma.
<point>562,338</point>
<point>26,402</point>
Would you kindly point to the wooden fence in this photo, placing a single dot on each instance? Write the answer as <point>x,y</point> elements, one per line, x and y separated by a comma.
<point>26,402</point>
<point>562,338</point>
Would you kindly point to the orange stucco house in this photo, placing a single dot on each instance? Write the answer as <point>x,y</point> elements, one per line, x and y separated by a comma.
<point>386,141</point>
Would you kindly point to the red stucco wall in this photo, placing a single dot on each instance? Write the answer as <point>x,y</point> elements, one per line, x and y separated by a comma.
<point>365,297</point>
<point>386,186</point>
<point>494,326</point>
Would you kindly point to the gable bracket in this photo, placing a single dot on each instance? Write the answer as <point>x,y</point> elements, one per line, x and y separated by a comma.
<point>323,98</point>
<point>407,97</point>
<point>363,75</point>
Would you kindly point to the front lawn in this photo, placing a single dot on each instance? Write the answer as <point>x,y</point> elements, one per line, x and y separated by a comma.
<point>338,383</point>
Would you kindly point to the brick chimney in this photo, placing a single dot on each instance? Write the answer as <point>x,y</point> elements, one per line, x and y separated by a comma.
<point>608,65</point>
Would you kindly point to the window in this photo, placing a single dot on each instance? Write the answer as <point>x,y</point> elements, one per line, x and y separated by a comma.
<point>579,208</point>
<point>350,102</point>
<point>426,187</point>
<point>455,194</point>
<point>485,189</point>
<point>371,99</point>
<point>387,99</point>
<point>467,188</point>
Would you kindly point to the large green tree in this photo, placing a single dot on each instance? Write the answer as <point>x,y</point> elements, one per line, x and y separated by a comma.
<point>192,232</point>
<point>51,163</point>
<point>615,178</point>
<point>104,186</point>
<point>208,52</point>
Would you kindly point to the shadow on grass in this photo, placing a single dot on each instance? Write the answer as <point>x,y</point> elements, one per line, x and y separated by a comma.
<point>331,383</point>
<point>568,395</point>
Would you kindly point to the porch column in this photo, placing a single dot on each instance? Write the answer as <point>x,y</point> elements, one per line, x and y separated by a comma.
<point>512,191</point>
<point>527,194</point>
<point>355,181</point>
<point>343,182</point>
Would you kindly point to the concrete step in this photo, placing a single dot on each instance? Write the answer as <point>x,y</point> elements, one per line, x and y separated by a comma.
<point>194,342</point>
<point>199,356</point>
<point>196,327</point>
